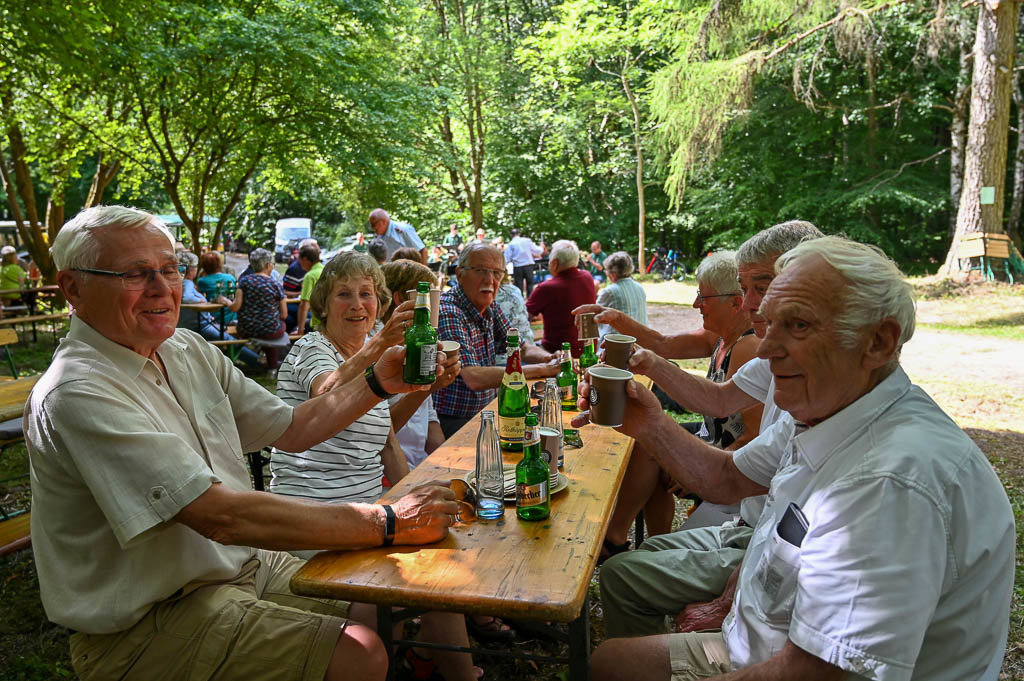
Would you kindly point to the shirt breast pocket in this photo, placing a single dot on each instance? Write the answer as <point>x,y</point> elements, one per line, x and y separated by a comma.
<point>776,577</point>
<point>218,432</point>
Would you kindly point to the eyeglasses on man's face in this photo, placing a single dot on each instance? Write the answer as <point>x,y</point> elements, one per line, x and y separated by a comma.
<point>136,280</point>
<point>485,272</point>
<point>701,297</point>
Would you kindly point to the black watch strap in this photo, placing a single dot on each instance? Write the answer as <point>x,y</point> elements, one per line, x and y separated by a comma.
<point>389,526</point>
<point>375,386</point>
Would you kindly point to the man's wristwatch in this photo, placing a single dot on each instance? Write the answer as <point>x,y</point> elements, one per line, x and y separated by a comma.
<point>374,384</point>
<point>389,526</point>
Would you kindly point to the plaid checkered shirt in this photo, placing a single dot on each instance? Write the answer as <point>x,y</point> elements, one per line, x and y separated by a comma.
<point>479,335</point>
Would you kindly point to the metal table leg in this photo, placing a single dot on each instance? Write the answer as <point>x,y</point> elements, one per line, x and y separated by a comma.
<point>384,626</point>
<point>579,645</point>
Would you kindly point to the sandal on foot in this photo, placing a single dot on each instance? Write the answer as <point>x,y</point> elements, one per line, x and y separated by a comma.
<point>609,549</point>
<point>492,629</point>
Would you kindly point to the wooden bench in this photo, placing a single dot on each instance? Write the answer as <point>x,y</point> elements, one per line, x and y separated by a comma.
<point>988,248</point>
<point>33,319</point>
<point>15,533</point>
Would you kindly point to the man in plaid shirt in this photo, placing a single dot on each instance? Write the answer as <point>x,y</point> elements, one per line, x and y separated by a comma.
<point>469,316</point>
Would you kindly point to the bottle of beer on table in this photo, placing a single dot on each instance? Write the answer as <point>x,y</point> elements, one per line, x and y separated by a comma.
<point>567,380</point>
<point>421,342</point>
<point>589,356</point>
<point>532,477</point>
<point>513,399</point>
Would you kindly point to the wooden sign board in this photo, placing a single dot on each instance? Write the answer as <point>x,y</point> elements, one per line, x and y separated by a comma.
<point>978,244</point>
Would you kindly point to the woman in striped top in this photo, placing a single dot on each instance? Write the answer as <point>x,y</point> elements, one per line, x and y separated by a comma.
<point>348,299</point>
<point>349,466</point>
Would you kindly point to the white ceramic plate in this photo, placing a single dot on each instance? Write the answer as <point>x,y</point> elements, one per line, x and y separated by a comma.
<point>510,482</point>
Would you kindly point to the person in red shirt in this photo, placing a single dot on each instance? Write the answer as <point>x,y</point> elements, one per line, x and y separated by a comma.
<point>556,298</point>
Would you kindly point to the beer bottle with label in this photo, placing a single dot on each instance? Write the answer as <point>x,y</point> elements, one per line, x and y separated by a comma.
<point>513,399</point>
<point>532,477</point>
<point>589,357</point>
<point>421,342</point>
<point>567,380</point>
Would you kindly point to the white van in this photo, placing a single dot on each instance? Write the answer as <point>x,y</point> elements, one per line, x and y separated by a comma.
<point>288,232</point>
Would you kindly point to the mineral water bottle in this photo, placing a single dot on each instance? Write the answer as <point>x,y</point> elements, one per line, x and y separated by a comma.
<point>490,478</point>
<point>551,427</point>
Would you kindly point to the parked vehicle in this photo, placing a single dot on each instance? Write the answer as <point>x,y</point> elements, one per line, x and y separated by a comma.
<point>288,232</point>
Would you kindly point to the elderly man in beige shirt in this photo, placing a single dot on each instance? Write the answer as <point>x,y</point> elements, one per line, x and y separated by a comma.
<point>149,542</point>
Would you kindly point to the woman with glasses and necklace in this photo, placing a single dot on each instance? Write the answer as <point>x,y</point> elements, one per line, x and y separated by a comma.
<point>645,486</point>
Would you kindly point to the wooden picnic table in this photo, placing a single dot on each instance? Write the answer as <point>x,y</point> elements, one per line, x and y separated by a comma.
<point>13,395</point>
<point>207,307</point>
<point>508,568</point>
<point>47,288</point>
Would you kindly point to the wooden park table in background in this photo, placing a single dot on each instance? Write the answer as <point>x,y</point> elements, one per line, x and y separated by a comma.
<point>13,395</point>
<point>509,568</point>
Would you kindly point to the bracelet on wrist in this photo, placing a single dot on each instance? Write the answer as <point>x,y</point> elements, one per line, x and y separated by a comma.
<point>375,387</point>
<point>389,526</point>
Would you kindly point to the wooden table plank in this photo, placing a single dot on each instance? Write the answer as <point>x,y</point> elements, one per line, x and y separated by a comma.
<point>510,568</point>
<point>13,395</point>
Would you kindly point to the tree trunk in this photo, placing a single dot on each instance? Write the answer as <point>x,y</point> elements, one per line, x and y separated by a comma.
<point>985,162</point>
<point>958,124</point>
<point>639,144</point>
<point>105,173</point>
<point>1017,199</point>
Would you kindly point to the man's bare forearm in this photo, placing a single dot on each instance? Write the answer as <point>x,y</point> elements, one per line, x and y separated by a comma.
<point>323,416</point>
<point>698,394</point>
<point>707,471</point>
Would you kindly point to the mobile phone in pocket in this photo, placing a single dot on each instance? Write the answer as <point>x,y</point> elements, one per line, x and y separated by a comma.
<point>793,525</point>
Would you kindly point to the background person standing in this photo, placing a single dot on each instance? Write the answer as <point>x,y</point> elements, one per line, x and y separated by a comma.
<point>522,253</point>
<point>394,234</point>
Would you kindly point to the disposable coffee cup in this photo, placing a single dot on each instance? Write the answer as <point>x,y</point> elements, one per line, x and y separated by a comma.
<point>607,395</point>
<point>618,348</point>
<point>551,443</point>
<point>435,303</point>
<point>586,325</point>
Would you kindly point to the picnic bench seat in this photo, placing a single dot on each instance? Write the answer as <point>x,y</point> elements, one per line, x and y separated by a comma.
<point>33,319</point>
<point>15,533</point>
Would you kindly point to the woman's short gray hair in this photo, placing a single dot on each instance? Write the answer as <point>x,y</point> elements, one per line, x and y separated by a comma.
<point>76,245</point>
<point>774,241</point>
<point>718,271</point>
<point>259,258</point>
<point>565,253</point>
<point>343,267</point>
<point>619,263</point>
<point>875,287</point>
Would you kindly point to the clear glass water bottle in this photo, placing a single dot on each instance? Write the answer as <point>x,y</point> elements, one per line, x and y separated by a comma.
<point>490,477</point>
<point>551,427</point>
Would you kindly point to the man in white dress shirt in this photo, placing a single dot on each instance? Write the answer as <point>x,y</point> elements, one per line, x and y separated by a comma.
<point>886,547</point>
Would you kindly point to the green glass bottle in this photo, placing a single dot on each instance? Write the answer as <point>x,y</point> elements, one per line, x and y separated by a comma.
<point>513,399</point>
<point>589,356</point>
<point>421,342</point>
<point>567,380</point>
<point>533,501</point>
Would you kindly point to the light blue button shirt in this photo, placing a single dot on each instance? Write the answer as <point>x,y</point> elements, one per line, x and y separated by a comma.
<point>400,235</point>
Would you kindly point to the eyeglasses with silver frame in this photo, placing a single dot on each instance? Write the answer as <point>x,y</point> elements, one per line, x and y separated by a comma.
<point>136,280</point>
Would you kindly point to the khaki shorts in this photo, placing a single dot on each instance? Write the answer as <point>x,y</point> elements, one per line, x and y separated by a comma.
<point>252,627</point>
<point>697,656</point>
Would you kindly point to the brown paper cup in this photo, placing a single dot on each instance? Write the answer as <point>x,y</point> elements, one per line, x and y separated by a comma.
<point>618,348</point>
<point>607,395</point>
<point>435,303</point>
<point>586,325</point>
